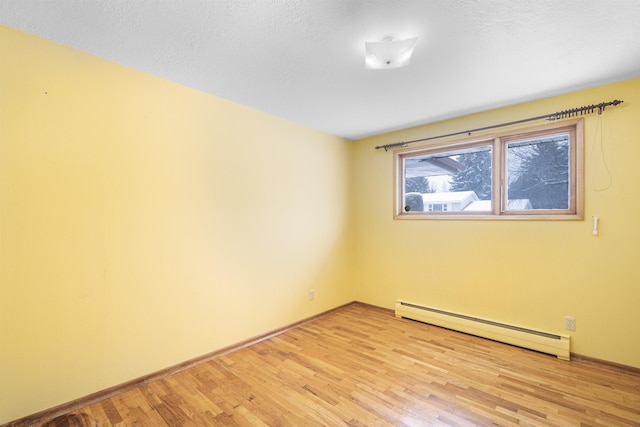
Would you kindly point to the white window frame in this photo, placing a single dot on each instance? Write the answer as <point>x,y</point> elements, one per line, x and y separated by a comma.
<point>498,143</point>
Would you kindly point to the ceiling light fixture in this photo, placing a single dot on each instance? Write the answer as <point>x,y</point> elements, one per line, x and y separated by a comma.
<point>388,53</point>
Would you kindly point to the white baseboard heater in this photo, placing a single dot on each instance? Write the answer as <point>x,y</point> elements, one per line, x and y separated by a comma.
<point>558,345</point>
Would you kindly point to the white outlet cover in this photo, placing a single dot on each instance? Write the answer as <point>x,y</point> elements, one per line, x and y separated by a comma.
<point>570,323</point>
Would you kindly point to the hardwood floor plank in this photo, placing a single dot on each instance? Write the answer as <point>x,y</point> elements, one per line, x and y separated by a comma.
<point>110,411</point>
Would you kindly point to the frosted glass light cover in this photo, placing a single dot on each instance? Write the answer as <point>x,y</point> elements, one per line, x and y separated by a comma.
<point>389,53</point>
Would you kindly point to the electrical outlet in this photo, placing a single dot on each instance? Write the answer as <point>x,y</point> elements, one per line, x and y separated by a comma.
<point>570,323</point>
<point>312,294</point>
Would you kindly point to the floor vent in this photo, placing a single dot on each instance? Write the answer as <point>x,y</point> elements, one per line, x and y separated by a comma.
<point>558,345</point>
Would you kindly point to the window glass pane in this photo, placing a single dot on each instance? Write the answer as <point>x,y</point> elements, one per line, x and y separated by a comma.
<point>538,173</point>
<point>451,181</point>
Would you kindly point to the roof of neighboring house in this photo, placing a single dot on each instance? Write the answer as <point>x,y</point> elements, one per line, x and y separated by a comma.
<point>485,205</point>
<point>448,197</point>
<point>479,206</point>
<point>432,167</point>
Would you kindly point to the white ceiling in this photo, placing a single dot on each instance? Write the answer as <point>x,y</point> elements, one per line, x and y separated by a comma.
<point>303,60</point>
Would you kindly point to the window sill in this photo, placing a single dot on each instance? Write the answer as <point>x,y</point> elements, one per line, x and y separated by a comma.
<point>491,217</point>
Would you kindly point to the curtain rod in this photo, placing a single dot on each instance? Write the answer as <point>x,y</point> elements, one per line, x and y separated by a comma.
<point>573,112</point>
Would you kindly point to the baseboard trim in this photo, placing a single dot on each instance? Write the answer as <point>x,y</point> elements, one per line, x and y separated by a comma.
<point>374,307</point>
<point>74,405</point>
<point>619,367</point>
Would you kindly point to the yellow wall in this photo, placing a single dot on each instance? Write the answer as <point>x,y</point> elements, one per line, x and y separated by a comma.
<point>143,223</point>
<point>530,273</point>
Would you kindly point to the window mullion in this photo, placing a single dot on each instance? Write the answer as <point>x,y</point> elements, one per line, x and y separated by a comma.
<point>497,177</point>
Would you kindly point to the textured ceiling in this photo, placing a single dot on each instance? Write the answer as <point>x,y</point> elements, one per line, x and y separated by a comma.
<point>303,60</point>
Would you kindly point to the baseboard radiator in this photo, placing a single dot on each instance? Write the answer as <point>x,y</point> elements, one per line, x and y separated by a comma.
<point>558,345</point>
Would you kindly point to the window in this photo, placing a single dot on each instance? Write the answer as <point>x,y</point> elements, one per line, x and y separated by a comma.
<point>530,174</point>
<point>438,207</point>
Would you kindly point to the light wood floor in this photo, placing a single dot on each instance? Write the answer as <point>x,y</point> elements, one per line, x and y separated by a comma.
<point>361,366</point>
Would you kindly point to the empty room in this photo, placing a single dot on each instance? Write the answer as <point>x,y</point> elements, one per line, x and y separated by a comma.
<point>319,213</point>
